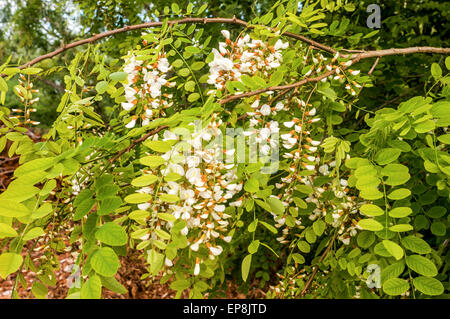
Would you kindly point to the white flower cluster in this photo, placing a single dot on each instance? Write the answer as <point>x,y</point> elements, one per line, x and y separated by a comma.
<point>146,83</point>
<point>245,56</point>
<point>205,188</point>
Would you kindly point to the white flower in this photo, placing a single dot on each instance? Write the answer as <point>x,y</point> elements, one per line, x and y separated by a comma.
<point>227,239</point>
<point>168,262</point>
<point>265,110</point>
<point>289,124</point>
<point>226,34</point>
<point>216,251</point>
<point>132,123</point>
<point>194,176</point>
<point>279,106</point>
<point>196,269</point>
<point>265,149</point>
<point>127,106</point>
<point>312,112</point>
<point>195,245</point>
<point>163,65</point>
<point>281,45</point>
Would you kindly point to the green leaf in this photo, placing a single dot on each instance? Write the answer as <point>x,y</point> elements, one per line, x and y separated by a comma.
<point>112,284</point>
<point>162,234</point>
<point>9,263</point>
<point>31,71</point>
<point>19,193</point>
<point>107,191</point>
<point>33,233</point>
<point>416,244</point>
<point>305,189</point>
<point>198,65</point>
<point>397,174</point>
<point>192,49</point>
<point>159,146</point>
<point>39,290</point>
<point>252,185</point>
<point>371,194</point>
<point>253,247</point>
<point>428,286</point>
<point>387,155</point>
<point>180,284</point>
<point>438,228</point>
<point>152,161</point>
<point>111,234</point>
<point>193,97</point>
<point>269,227</point>
<point>425,126</point>
<point>370,224</point>
<point>83,208</point>
<point>144,180</point>
<point>189,86</point>
<point>245,267</point>
<point>168,198</point>
<point>304,246</point>
<point>40,164</point>
<point>105,262</point>
<point>108,205</point>
<point>276,205</point>
<point>436,71</point>
<point>118,76</point>
<point>365,239</point>
<point>319,227</point>
<point>399,194</point>
<point>401,228</point>
<point>395,286</point>
<point>7,231</point>
<point>101,87</point>
<point>444,139</point>
<point>421,265</point>
<point>137,198</point>
<point>9,208</point>
<point>392,271</point>
<point>3,85</point>
<point>371,210</point>
<point>299,259</point>
<point>437,212</point>
<point>400,212</point>
<point>92,288</point>
<point>167,217</point>
<point>393,248</point>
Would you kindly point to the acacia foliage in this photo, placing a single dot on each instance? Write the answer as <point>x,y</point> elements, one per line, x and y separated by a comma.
<point>339,200</point>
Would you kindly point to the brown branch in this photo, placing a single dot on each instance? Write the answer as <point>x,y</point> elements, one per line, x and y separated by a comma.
<point>158,24</point>
<point>357,58</point>
<point>52,84</point>
<point>275,88</point>
<point>316,268</point>
<point>395,51</point>
<point>137,141</point>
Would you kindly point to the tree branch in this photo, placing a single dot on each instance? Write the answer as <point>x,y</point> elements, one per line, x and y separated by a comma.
<point>357,58</point>
<point>99,36</point>
<point>137,141</point>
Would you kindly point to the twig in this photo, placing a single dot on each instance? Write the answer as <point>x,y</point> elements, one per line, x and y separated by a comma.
<point>158,24</point>
<point>137,141</point>
<point>316,268</point>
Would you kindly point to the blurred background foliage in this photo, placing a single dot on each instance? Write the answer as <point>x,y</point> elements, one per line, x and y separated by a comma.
<point>30,28</point>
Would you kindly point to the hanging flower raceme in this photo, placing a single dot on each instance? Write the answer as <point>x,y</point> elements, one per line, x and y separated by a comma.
<point>146,91</point>
<point>195,187</point>
<point>244,56</point>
